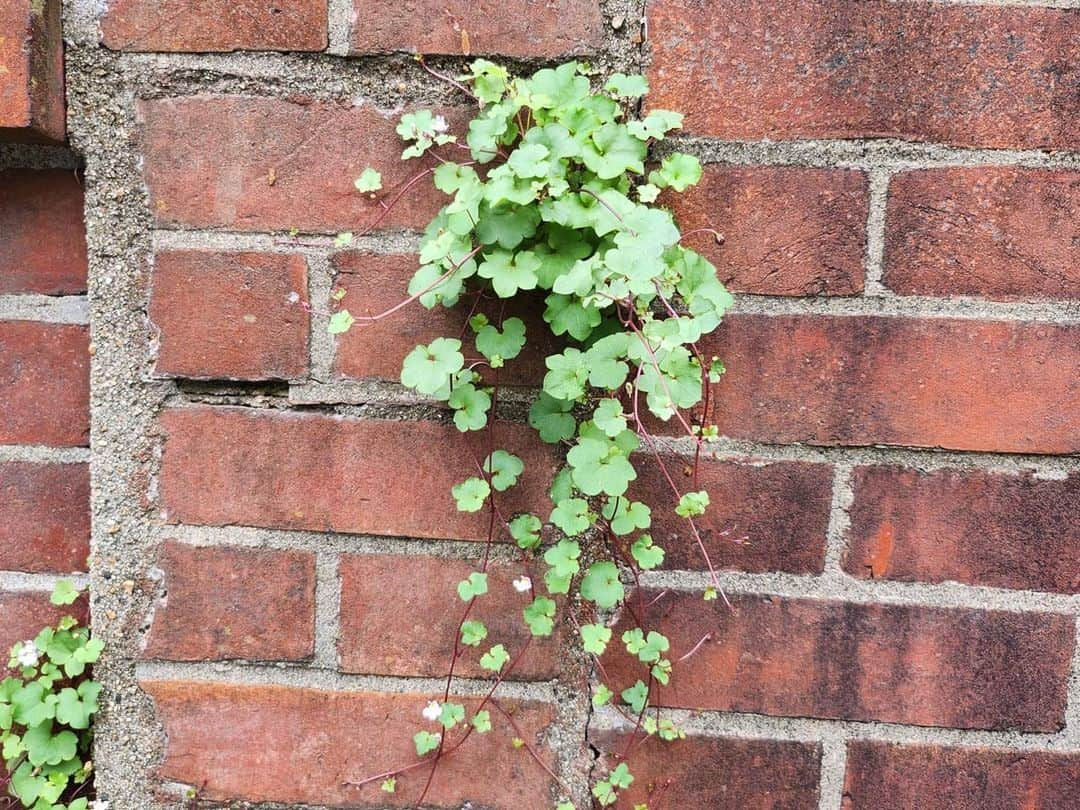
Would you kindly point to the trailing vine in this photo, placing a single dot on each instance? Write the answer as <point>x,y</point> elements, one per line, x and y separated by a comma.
<point>46,713</point>
<point>549,191</point>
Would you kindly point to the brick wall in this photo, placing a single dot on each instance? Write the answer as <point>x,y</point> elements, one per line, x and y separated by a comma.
<point>274,539</point>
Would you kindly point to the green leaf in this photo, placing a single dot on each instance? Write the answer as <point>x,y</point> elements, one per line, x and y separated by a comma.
<point>604,793</point>
<point>645,553</point>
<point>45,748</point>
<point>625,86</point>
<point>340,322</point>
<point>64,593</point>
<point>509,272</point>
<point>426,742</point>
<point>504,469</point>
<point>620,777</point>
<point>601,584</point>
<point>482,722</point>
<point>677,170</point>
<point>648,193</point>
<point>428,369</point>
<point>489,81</point>
<point>471,406</point>
<point>473,632</point>
<point>452,714</point>
<point>368,181</point>
<point>571,516</point>
<point>608,416</point>
<point>71,708</point>
<point>613,151</point>
<point>595,638</point>
<point>636,697</point>
<point>525,529</point>
<point>692,504</point>
<point>567,375</point>
<point>626,516</point>
<point>498,346</point>
<point>495,658</point>
<point>569,316</point>
<point>552,418</point>
<point>389,785</point>
<point>540,616</point>
<point>655,125</point>
<point>600,466</point>
<point>602,696</point>
<point>470,494</point>
<point>476,585</point>
<point>343,239</point>
<point>563,559</point>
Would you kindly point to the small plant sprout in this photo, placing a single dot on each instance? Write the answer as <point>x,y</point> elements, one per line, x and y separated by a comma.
<point>551,202</point>
<point>47,706</point>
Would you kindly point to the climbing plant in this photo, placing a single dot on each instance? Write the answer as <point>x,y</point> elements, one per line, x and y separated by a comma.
<point>47,708</point>
<point>552,195</point>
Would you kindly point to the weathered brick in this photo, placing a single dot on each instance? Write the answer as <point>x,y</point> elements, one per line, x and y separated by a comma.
<point>256,164</point>
<point>995,232</point>
<point>968,75</point>
<point>890,663</point>
<point>42,238</point>
<point>788,230</point>
<point>44,384</point>
<point>44,517</point>
<point>222,603</point>
<point>503,27</point>
<point>24,613</point>
<point>230,315</point>
<point>374,283</point>
<point>888,776</point>
<point>781,508</point>
<point>704,773</point>
<point>309,471</point>
<point>973,526</point>
<point>215,25</point>
<point>929,382</point>
<point>242,742</point>
<point>413,635</point>
<point>31,71</point>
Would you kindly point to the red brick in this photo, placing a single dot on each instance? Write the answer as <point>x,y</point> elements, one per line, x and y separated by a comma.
<point>782,508</point>
<point>256,164</point>
<point>215,25</point>
<point>280,744</point>
<point>973,526</point>
<point>32,71</point>
<point>519,28</point>
<point>835,660</point>
<point>933,382</point>
<point>374,283</point>
<point>44,517</point>
<point>967,75</point>
<point>887,776</point>
<point>231,315</point>
<point>788,231</point>
<point>44,384</point>
<point>705,773</point>
<point>413,634</point>
<point>23,614</point>
<point>995,232</point>
<point>309,471</point>
<point>42,238</point>
<point>222,603</point>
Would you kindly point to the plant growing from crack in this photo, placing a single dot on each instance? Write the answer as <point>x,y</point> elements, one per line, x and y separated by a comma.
<point>46,714</point>
<point>550,195</point>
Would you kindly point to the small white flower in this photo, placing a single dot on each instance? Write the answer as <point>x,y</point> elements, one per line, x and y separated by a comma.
<point>28,654</point>
<point>99,804</point>
<point>522,584</point>
<point>440,124</point>
<point>433,711</point>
